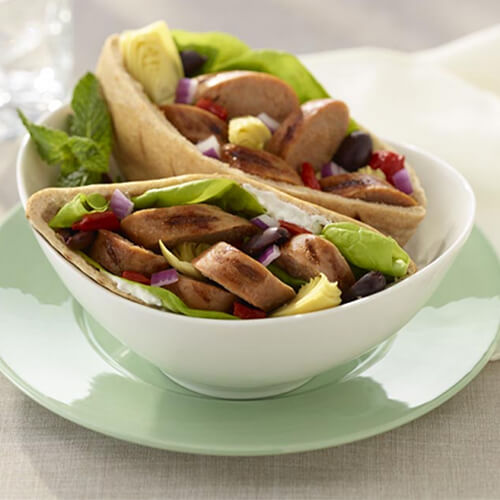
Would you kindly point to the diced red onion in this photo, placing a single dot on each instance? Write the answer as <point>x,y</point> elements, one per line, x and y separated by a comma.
<point>401,181</point>
<point>186,90</point>
<point>120,204</point>
<point>264,221</point>
<point>269,255</point>
<point>209,147</point>
<point>272,235</point>
<point>332,168</point>
<point>269,122</point>
<point>166,277</point>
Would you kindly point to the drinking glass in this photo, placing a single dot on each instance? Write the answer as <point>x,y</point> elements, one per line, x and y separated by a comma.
<point>36,59</point>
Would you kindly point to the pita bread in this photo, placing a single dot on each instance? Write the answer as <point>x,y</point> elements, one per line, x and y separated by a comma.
<point>147,146</point>
<point>44,204</point>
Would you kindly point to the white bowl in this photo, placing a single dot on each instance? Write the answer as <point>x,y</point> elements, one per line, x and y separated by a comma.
<point>258,358</point>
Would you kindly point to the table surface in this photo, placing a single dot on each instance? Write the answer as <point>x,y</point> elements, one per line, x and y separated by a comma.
<point>453,452</point>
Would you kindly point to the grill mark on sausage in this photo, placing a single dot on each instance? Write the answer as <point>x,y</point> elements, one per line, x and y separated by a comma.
<point>311,251</point>
<point>111,252</point>
<point>291,129</point>
<point>365,187</point>
<point>355,182</point>
<point>199,221</point>
<point>260,163</point>
<point>247,155</point>
<point>247,271</point>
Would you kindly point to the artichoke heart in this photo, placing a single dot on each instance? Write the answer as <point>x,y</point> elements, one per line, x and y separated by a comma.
<point>151,57</point>
<point>182,266</point>
<point>188,250</point>
<point>317,294</point>
<point>376,172</point>
<point>248,131</point>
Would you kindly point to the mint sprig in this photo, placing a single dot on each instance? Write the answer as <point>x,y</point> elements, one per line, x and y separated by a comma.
<point>83,154</point>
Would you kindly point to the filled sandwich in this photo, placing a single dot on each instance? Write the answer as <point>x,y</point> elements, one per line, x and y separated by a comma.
<point>185,103</point>
<point>216,247</point>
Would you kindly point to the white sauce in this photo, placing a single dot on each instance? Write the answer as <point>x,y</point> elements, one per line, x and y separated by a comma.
<point>282,210</point>
<point>136,291</point>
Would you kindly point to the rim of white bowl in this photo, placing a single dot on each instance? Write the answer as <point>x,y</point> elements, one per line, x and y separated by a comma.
<point>427,270</point>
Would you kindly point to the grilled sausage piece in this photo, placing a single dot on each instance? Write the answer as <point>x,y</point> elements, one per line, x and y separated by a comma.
<point>312,135</point>
<point>259,163</point>
<point>117,254</point>
<point>306,255</point>
<point>366,187</point>
<point>243,276</point>
<point>194,123</point>
<point>173,225</point>
<point>249,93</point>
<point>200,295</point>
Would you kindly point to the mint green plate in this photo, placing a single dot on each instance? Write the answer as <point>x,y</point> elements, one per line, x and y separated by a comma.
<point>59,356</point>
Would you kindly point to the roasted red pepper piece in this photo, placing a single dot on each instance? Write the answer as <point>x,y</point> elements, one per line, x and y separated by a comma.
<point>133,276</point>
<point>293,229</point>
<point>245,312</point>
<point>388,161</point>
<point>211,106</point>
<point>309,176</point>
<point>98,220</point>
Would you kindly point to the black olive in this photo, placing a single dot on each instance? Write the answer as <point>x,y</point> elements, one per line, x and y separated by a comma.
<point>371,282</point>
<point>81,240</point>
<point>354,151</point>
<point>192,62</point>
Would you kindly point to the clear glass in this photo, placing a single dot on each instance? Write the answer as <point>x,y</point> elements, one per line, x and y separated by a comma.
<point>36,59</point>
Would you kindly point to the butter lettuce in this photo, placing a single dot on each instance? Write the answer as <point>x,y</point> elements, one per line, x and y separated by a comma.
<point>367,249</point>
<point>283,65</point>
<point>224,193</point>
<point>217,47</point>
<point>172,303</point>
<point>77,208</point>
<point>226,52</point>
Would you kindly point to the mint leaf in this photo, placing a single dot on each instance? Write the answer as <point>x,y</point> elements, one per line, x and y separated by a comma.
<point>88,154</point>
<point>80,177</point>
<point>83,156</point>
<point>49,142</point>
<point>91,119</point>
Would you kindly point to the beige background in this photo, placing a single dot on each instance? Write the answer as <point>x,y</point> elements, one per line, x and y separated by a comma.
<point>454,452</point>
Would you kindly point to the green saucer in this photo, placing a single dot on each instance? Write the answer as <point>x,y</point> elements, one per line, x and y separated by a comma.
<point>59,356</point>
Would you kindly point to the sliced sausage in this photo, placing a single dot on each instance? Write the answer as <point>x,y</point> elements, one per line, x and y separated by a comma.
<point>312,135</point>
<point>194,123</point>
<point>366,187</point>
<point>173,225</point>
<point>117,254</point>
<point>259,163</point>
<point>199,295</point>
<point>243,276</point>
<point>249,93</point>
<point>307,255</point>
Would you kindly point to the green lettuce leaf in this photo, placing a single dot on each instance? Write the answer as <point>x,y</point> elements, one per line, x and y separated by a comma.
<point>367,249</point>
<point>281,64</point>
<point>282,275</point>
<point>217,47</point>
<point>77,208</point>
<point>224,193</point>
<point>169,300</point>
